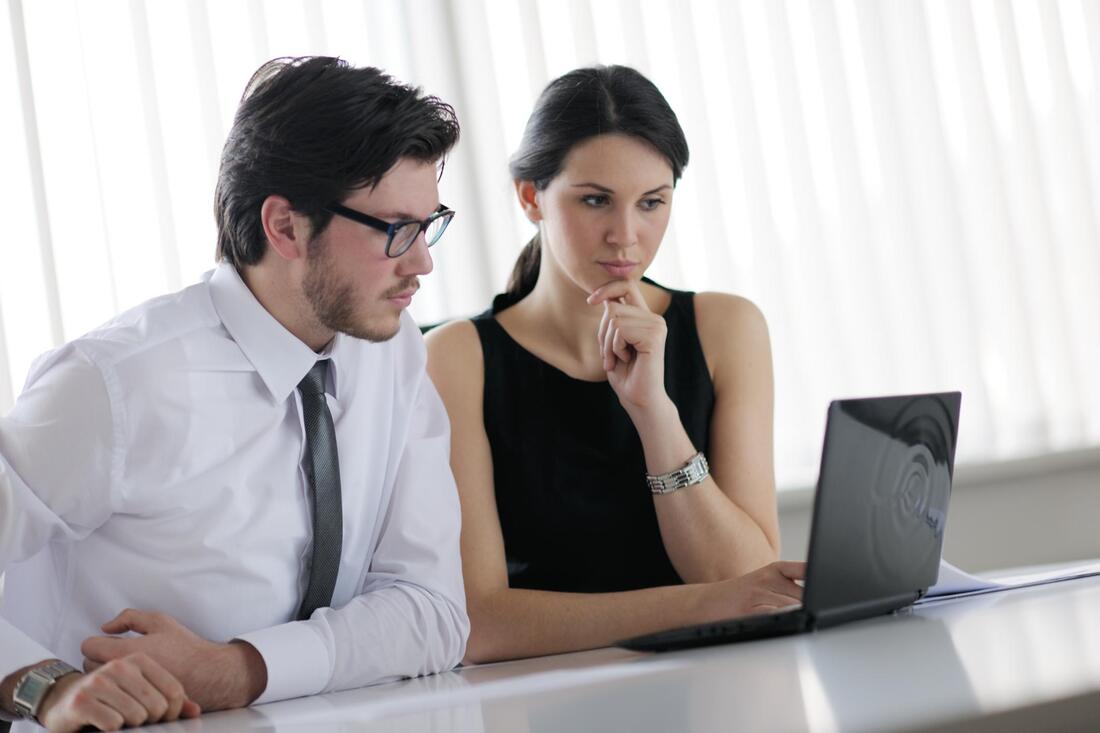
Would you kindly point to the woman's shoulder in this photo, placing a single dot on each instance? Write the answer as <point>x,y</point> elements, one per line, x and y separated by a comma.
<point>730,327</point>
<point>455,361</point>
<point>722,307</point>
<point>712,309</point>
<point>453,333</point>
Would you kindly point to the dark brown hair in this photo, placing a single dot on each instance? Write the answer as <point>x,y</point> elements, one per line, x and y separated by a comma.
<point>313,129</point>
<point>582,104</point>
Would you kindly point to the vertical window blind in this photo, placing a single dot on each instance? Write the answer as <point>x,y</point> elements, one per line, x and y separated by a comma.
<point>909,190</point>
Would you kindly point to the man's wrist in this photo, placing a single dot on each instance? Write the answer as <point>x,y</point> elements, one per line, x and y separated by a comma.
<point>9,684</point>
<point>55,693</point>
<point>252,673</point>
<point>7,688</point>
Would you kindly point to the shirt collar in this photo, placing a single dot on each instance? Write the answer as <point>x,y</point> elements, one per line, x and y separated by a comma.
<point>279,357</point>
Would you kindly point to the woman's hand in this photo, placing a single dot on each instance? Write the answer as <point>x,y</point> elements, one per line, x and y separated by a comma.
<point>632,344</point>
<point>762,591</point>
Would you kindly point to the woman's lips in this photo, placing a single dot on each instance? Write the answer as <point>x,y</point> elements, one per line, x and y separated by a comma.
<point>619,268</point>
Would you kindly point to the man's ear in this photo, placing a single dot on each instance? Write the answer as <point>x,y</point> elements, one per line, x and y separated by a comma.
<point>528,197</point>
<point>286,231</point>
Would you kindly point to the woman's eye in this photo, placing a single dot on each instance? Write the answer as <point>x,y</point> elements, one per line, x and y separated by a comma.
<point>595,199</point>
<point>651,204</point>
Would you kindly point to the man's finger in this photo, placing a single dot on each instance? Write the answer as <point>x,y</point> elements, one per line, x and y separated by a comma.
<point>143,622</point>
<point>104,648</point>
<point>134,681</point>
<point>170,687</point>
<point>106,686</point>
<point>95,713</point>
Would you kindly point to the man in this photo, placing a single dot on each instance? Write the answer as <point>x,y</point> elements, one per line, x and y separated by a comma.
<point>249,476</point>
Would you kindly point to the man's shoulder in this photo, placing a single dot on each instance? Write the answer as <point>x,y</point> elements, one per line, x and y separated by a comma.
<point>124,359</point>
<point>166,319</point>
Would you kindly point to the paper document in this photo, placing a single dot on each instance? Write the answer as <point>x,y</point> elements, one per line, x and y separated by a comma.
<point>954,583</point>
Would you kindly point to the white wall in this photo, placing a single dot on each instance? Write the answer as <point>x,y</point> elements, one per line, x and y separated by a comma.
<point>1012,514</point>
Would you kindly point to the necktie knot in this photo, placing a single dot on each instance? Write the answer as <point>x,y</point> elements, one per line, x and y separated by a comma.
<point>313,383</point>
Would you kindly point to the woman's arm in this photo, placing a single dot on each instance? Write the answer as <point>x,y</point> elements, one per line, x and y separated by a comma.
<point>727,525</point>
<point>509,623</point>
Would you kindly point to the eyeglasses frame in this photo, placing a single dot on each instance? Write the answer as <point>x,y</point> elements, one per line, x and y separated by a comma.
<point>390,228</point>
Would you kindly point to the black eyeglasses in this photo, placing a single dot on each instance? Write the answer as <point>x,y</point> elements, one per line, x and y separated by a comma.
<point>400,234</point>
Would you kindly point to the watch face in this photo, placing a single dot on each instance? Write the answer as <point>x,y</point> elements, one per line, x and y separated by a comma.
<point>31,690</point>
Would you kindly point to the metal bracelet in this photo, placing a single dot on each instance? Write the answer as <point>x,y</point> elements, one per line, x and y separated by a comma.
<point>693,472</point>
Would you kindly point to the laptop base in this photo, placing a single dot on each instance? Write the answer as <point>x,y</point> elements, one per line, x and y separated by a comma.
<point>746,628</point>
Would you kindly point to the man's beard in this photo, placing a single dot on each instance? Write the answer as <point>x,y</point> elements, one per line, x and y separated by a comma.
<point>334,300</point>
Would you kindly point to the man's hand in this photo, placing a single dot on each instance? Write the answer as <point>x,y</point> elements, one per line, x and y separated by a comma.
<point>216,676</point>
<point>130,691</point>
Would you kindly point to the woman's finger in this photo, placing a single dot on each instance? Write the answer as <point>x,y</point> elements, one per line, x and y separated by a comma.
<point>643,334</point>
<point>619,344</point>
<point>609,346</point>
<point>601,333</point>
<point>771,604</point>
<point>795,570</point>
<point>784,586</point>
<point>625,290</point>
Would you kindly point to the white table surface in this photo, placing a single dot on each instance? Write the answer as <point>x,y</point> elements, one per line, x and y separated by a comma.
<point>922,668</point>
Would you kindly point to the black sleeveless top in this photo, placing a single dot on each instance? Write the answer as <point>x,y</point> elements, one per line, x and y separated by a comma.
<point>568,467</point>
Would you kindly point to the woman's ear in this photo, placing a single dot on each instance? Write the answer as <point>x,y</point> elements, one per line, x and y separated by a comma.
<point>528,197</point>
<point>286,231</point>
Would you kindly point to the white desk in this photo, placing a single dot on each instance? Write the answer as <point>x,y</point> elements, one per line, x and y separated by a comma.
<point>1030,658</point>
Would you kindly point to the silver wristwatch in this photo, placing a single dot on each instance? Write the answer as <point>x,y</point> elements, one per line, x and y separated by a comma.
<point>694,471</point>
<point>32,688</point>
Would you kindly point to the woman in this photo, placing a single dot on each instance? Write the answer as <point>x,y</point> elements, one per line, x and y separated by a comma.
<point>585,382</point>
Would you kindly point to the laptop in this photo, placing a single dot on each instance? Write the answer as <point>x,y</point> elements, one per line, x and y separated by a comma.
<point>878,521</point>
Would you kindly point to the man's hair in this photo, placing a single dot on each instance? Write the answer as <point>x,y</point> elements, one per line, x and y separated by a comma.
<point>314,129</point>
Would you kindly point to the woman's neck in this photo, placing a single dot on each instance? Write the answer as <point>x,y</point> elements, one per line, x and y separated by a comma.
<point>556,318</point>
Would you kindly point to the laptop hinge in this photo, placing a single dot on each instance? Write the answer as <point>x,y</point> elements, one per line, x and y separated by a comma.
<point>865,609</point>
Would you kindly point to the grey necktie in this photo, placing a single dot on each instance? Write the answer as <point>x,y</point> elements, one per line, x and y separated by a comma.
<point>323,473</point>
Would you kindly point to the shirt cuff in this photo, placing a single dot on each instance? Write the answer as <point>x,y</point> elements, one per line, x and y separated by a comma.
<point>297,659</point>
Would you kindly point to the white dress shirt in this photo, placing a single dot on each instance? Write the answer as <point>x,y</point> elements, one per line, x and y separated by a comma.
<point>156,463</point>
